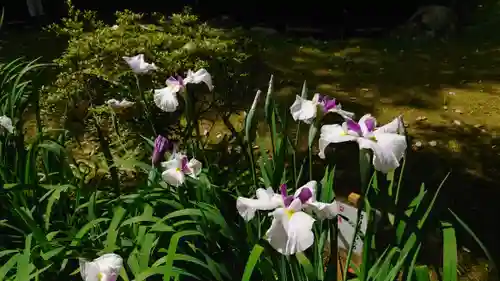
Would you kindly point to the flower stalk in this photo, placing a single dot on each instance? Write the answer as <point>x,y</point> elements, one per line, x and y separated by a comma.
<point>146,106</point>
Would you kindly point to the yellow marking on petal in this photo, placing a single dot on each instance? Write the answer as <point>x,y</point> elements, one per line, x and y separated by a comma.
<point>373,138</point>
<point>343,134</point>
<point>289,213</point>
<point>99,276</point>
<point>177,169</point>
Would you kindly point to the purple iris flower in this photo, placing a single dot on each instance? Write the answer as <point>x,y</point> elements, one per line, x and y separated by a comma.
<point>327,103</point>
<point>176,81</point>
<point>354,126</point>
<point>162,145</point>
<point>304,195</point>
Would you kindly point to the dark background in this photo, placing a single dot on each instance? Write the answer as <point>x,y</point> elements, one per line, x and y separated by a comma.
<point>326,15</point>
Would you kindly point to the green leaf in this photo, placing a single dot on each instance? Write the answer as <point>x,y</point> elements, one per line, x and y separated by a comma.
<point>449,252</point>
<point>54,252</point>
<point>172,251</point>
<point>401,223</point>
<point>422,273</point>
<point>306,264</point>
<point>327,194</point>
<point>139,219</point>
<point>303,93</point>
<point>85,229</point>
<point>174,272</point>
<point>411,267</point>
<point>269,106</point>
<point>313,131</point>
<point>54,196</point>
<point>253,259</point>
<point>386,264</point>
<point>403,257</point>
<point>8,266</point>
<point>147,246</point>
<point>110,244</point>
<point>431,204</point>
<point>39,272</point>
<point>23,262</point>
<point>491,261</point>
<point>250,122</point>
<point>37,232</point>
<point>186,258</point>
<point>7,252</point>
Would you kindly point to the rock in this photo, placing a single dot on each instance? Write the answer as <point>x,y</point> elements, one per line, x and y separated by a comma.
<point>456,122</point>
<point>433,143</point>
<point>421,118</point>
<point>417,145</point>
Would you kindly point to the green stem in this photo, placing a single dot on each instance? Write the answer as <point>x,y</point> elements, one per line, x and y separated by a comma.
<point>399,182</point>
<point>192,121</point>
<point>310,164</point>
<point>146,106</point>
<point>252,164</point>
<point>294,155</point>
<point>365,172</point>
<point>109,158</point>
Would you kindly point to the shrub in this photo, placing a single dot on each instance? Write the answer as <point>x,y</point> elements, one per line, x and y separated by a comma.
<point>92,69</point>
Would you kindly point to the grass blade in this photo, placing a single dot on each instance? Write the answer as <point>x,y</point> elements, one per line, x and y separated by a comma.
<point>478,241</point>
<point>172,251</point>
<point>449,252</point>
<point>253,259</point>
<point>118,215</point>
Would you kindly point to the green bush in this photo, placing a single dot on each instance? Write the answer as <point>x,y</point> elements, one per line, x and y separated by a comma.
<point>92,68</point>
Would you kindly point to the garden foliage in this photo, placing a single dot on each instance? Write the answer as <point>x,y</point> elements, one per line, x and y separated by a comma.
<point>91,70</point>
<point>188,215</point>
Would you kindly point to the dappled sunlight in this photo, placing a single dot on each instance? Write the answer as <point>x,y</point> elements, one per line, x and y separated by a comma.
<point>299,59</point>
<point>447,94</point>
<point>286,91</point>
<point>327,87</point>
<point>322,72</point>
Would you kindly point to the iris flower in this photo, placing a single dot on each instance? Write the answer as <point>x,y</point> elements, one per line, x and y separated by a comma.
<point>105,268</point>
<point>138,65</point>
<point>162,145</point>
<point>387,142</point>
<point>178,167</point>
<point>307,110</point>
<point>6,123</point>
<point>166,98</point>
<point>291,228</point>
<point>118,106</point>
